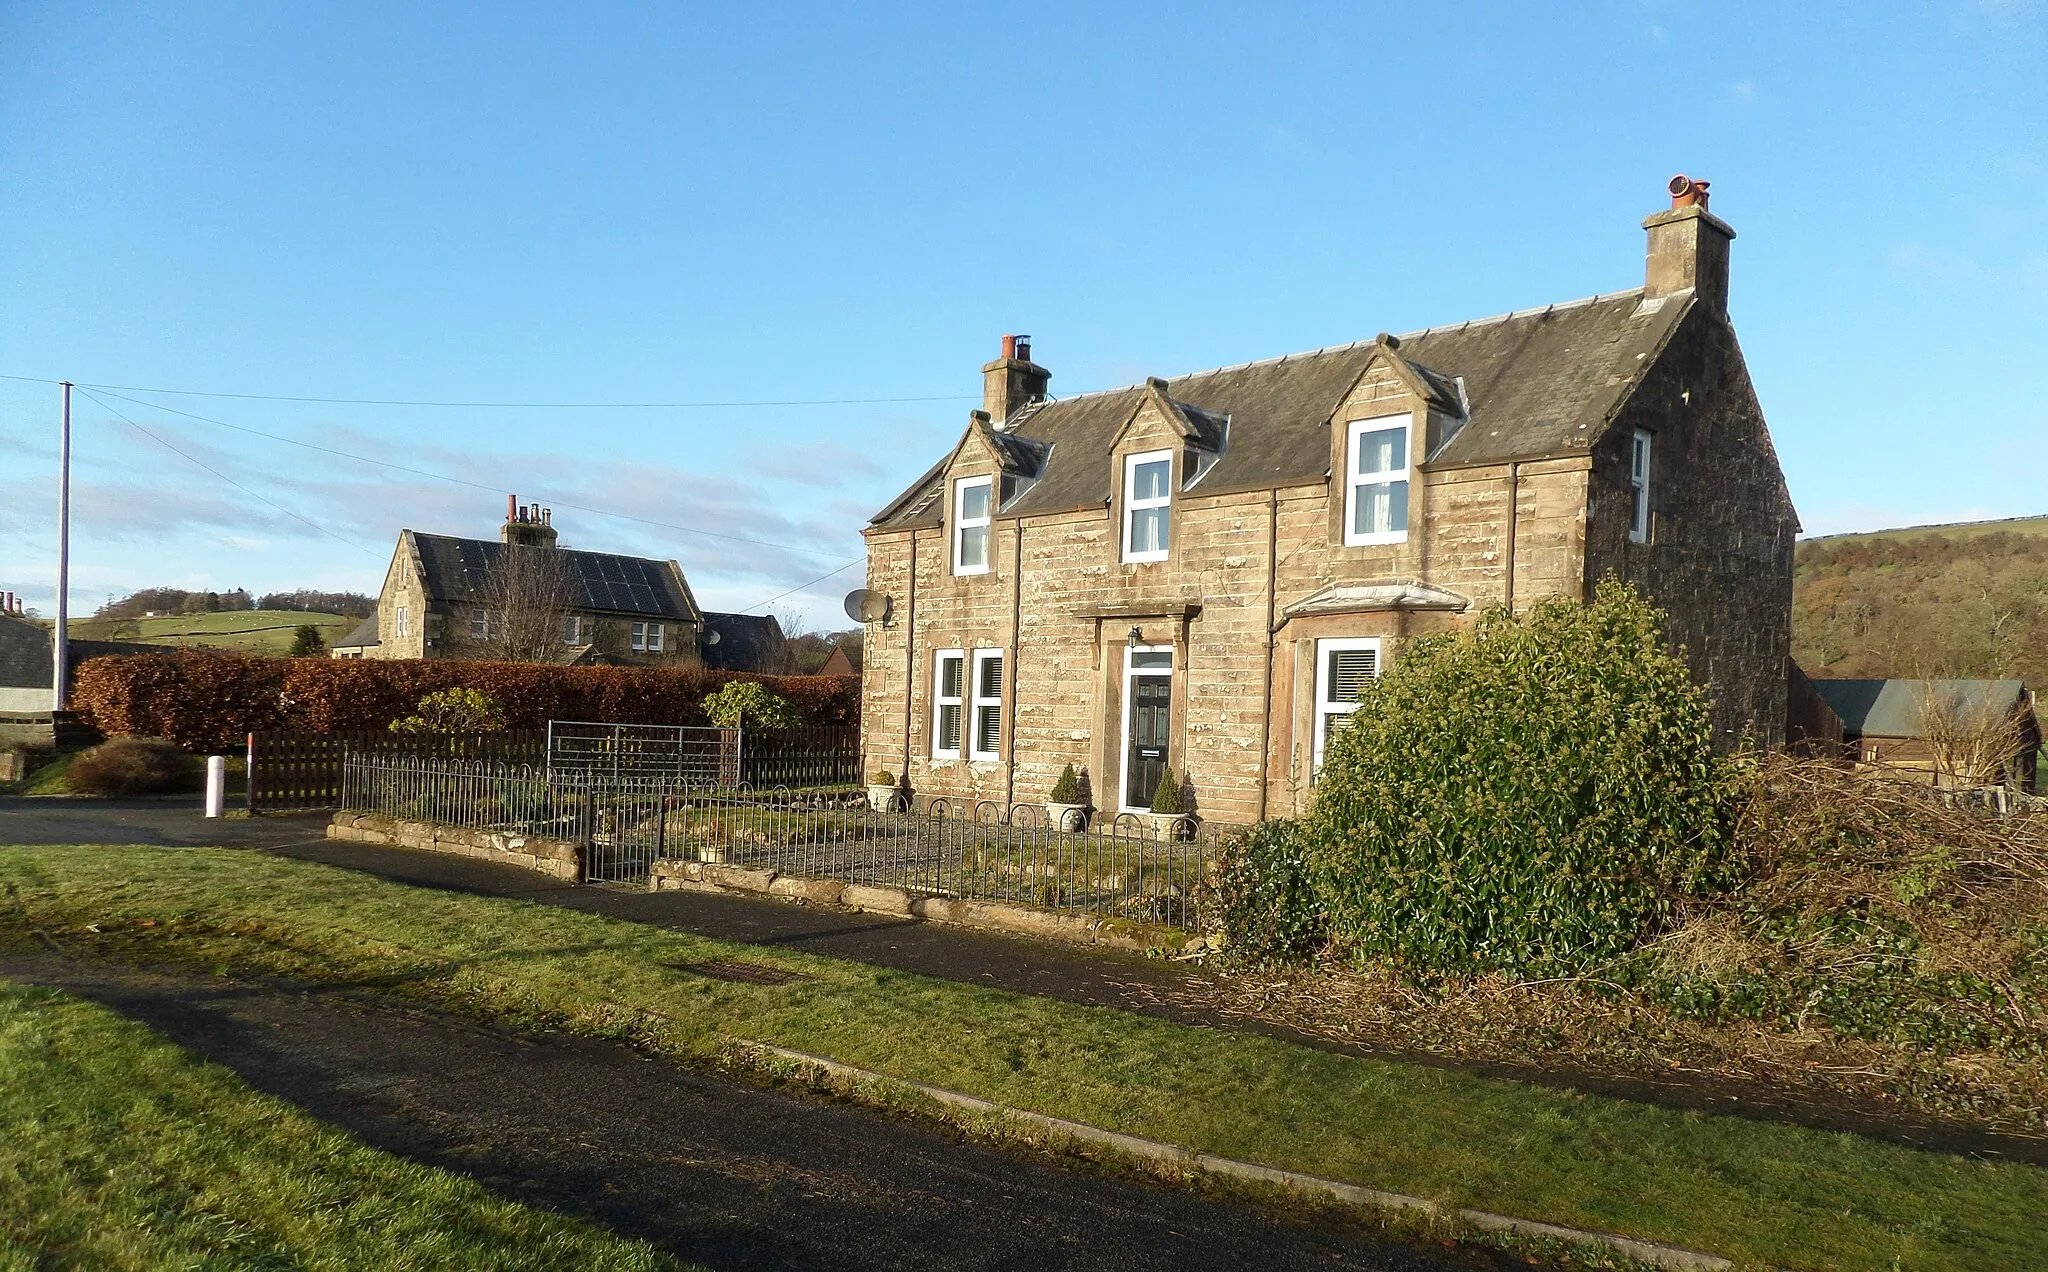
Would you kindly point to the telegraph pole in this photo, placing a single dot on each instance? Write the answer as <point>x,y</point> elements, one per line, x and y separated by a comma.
<point>60,644</point>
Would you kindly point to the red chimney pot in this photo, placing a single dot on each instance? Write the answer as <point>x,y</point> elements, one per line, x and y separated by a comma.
<point>1009,346</point>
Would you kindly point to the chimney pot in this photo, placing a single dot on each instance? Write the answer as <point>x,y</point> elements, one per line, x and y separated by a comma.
<point>511,507</point>
<point>1688,247</point>
<point>1012,381</point>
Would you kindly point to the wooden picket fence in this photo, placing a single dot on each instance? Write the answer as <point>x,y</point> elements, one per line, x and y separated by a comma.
<point>303,770</point>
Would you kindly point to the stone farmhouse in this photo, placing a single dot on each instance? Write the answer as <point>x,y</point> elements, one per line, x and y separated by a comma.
<point>447,597</point>
<point>1201,572</point>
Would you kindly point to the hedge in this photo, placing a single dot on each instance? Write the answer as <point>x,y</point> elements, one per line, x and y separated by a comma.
<point>207,701</point>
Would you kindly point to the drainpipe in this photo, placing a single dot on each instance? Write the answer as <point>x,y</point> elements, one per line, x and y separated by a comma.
<point>1016,656</point>
<point>909,657</point>
<point>1514,509</point>
<point>1272,643</point>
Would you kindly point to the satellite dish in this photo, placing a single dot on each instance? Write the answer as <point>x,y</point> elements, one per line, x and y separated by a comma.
<point>864,605</point>
<point>712,637</point>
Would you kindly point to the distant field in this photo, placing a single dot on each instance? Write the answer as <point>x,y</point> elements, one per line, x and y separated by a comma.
<point>240,631</point>
<point>1954,530</point>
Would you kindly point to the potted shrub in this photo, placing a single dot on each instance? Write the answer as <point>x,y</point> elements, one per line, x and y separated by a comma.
<point>1169,817</point>
<point>1064,808</point>
<point>882,790</point>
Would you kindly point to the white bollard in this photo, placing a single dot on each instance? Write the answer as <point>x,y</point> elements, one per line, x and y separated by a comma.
<point>216,784</point>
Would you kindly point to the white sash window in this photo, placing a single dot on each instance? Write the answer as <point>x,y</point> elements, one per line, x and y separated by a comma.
<point>971,512</point>
<point>987,742</point>
<point>947,675</point>
<point>1344,667</point>
<point>1639,487</point>
<point>1148,505</point>
<point>1376,481</point>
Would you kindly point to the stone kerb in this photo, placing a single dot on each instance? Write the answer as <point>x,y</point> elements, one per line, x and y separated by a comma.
<point>559,858</point>
<point>699,876</point>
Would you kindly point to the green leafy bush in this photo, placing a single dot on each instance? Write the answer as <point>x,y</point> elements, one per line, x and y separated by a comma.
<point>1530,795</point>
<point>748,703</point>
<point>307,642</point>
<point>134,766</point>
<point>1067,790</point>
<point>1266,897</point>
<point>454,711</point>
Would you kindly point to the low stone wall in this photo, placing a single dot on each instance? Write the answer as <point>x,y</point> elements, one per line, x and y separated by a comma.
<point>561,858</point>
<point>1080,929</point>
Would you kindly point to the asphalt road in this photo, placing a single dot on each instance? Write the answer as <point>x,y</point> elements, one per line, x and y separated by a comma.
<point>733,1176</point>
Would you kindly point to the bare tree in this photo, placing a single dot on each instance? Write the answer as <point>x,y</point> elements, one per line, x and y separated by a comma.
<point>1973,741</point>
<point>525,601</point>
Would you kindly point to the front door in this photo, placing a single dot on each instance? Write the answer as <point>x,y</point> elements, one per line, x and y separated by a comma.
<point>1149,714</point>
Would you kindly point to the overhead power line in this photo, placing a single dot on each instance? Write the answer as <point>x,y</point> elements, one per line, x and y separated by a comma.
<point>803,586</point>
<point>502,406</point>
<point>367,552</point>
<point>459,481</point>
<point>223,476</point>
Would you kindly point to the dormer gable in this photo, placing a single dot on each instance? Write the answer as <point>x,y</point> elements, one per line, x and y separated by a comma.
<point>1438,400</point>
<point>1157,420</point>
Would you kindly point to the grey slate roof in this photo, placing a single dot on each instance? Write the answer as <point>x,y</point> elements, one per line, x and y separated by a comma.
<point>746,642</point>
<point>1539,383</point>
<point>1892,708</point>
<point>601,582</point>
<point>25,652</point>
<point>364,636</point>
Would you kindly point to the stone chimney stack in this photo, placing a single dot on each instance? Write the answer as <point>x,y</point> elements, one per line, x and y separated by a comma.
<point>527,524</point>
<point>1689,247</point>
<point>1012,381</point>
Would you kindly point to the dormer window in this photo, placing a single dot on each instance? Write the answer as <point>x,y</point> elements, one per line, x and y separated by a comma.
<point>1148,505</point>
<point>1376,480</point>
<point>972,499</point>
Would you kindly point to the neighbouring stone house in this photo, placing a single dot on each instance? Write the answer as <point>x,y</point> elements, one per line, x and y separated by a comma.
<point>1943,732</point>
<point>448,597</point>
<point>1199,572</point>
<point>27,676</point>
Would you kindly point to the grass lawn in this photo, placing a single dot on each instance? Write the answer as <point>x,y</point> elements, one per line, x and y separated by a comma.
<point>1754,1191</point>
<point>52,778</point>
<point>237,631</point>
<point>119,1150</point>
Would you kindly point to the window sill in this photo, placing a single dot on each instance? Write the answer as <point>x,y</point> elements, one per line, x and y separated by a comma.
<point>959,573</point>
<point>1375,540</point>
<point>1146,558</point>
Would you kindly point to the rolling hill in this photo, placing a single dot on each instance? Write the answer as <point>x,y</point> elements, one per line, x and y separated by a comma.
<point>1967,600</point>
<point>237,631</point>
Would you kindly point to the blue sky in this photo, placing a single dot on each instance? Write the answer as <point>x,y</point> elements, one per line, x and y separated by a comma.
<point>841,204</point>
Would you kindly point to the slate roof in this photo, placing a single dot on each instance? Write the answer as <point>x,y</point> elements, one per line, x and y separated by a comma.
<point>1891,708</point>
<point>454,570</point>
<point>1538,383</point>
<point>746,642</point>
<point>363,636</point>
<point>25,652</point>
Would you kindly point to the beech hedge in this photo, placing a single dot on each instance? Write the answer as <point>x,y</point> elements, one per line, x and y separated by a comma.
<point>207,701</point>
